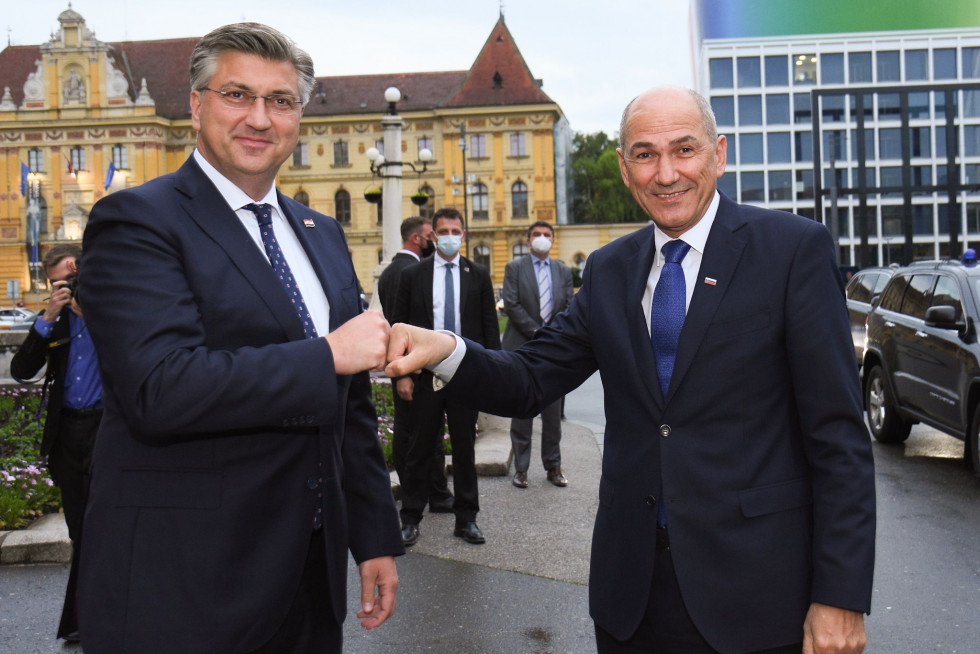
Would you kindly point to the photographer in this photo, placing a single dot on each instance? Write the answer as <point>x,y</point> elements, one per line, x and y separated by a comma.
<point>73,388</point>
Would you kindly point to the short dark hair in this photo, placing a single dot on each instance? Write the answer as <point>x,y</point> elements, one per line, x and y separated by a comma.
<point>57,253</point>
<point>541,223</point>
<point>446,212</point>
<point>254,39</point>
<point>412,225</point>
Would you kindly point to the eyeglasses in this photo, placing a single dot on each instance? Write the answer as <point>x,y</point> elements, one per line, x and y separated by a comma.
<point>278,103</point>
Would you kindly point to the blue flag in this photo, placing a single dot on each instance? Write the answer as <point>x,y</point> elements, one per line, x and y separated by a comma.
<point>24,172</point>
<point>109,175</point>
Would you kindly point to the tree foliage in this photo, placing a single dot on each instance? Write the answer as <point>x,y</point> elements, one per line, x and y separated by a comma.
<point>600,195</point>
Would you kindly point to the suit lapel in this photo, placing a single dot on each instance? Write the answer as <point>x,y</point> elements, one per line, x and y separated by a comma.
<point>638,266</point>
<point>465,282</point>
<point>721,256</point>
<point>428,268</point>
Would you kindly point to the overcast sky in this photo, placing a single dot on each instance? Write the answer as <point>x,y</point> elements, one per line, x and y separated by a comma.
<point>593,56</point>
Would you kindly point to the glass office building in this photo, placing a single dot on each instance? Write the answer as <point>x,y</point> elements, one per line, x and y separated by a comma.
<point>875,133</point>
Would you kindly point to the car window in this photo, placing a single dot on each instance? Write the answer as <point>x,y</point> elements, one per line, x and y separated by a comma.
<point>861,286</point>
<point>918,295</point>
<point>880,284</point>
<point>891,299</point>
<point>947,293</point>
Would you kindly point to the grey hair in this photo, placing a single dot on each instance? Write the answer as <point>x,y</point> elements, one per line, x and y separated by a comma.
<point>254,39</point>
<point>708,122</point>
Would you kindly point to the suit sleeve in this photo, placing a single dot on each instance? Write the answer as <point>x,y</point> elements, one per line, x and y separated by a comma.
<point>30,357</point>
<point>567,288</point>
<point>517,314</point>
<point>172,380</point>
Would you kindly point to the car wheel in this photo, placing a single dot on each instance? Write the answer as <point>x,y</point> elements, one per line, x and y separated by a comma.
<point>886,425</point>
<point>973,444</point>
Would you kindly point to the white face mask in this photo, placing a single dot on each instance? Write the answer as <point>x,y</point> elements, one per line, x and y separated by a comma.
<point>541,244</point>
<point>449,244</point>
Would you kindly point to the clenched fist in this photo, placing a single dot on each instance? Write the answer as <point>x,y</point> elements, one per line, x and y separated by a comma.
<point>360,344</point>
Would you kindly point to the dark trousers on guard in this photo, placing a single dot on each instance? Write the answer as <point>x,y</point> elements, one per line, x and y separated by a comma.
<point>400,442</point>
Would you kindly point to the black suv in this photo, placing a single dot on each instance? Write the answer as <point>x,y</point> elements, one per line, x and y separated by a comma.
<point>922,362</point>
<point>862,288</point>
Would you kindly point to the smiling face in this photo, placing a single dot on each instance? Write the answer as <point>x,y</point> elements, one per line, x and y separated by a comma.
<point>670,164</point>
<point>246,145</point>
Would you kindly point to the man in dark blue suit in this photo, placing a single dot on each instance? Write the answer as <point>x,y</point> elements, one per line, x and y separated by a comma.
<point>736,504</point>
<point>238,459</point>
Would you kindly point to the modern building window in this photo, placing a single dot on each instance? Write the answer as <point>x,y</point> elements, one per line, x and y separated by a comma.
<point>750,110</point>
<point>889,68</point>
<point>300,154</point>
<point>970,63</point>
<point>341,207</point>
<point>867,105</point>
<point>890,143</point>
<point>971,174</point>
<point>777,109</point>
<point>777,70</point>
<point>919,105</point>
<point>720,71</point>
<point>889,106</point>
<point>778,147</point>
<point>859,67</point>
<point>340,153</point>
<point>971,140</point>
<point>832,108</point>
<point>922,221</point>
<point>941,142</point>
<point>919,142</point>
<point>35,160</point>
<point>921,176</point>
<point>801,108</point>
<point>481,255</point>
<point>780,185</point>
<point>944,63</point>
<point>805,69</point>
<point>869,144</point>
<point>749,72</point>
<point>891,179</point>
<point>518,199</point>
<point>971,104</point>
<point>753,187</point>
<point>78,158</point>
<point>119,157</point>
<point>731,151</point>
<point>518,147</point>
<point>302,197</point>
<point>519,250</point>
<point>839,143</point>
<point>804,146</point>
<point>804,183</point>
<point>750,148</point>
<point>728,184</point>
<point>481,202</point>
<point>478,145</point>
<point>832,68</point>
<point>425,143</point>
<point>941,177</point>
<point>724,108</point>
<point>916,65</point>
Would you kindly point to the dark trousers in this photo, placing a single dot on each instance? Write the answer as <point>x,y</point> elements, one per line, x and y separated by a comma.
<point>69,461</point>
<point>429,411</point>
<point>309,627</point>
<point>520,438</point>
<point>666,627</point>
<point>400,442</point>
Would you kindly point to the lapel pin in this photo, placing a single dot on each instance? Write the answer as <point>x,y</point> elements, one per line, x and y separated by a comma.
<point>308,222</point>
<point>710,282</point>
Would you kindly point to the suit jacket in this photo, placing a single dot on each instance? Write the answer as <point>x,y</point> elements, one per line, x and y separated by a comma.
<point>223,426</point>
<point>477,314</point>
<point>388,283</point>
<point>34,352</point>
<point>522,299</point>
<point>760,445</point>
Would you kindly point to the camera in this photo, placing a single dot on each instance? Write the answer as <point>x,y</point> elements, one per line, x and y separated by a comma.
<point>72,285</point>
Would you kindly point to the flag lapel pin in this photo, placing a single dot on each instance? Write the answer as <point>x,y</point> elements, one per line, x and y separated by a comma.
<point>710,281</point>
<point>308,222</point>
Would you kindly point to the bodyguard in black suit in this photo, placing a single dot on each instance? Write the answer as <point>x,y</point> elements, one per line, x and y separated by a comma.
<point>59,337</point>
<point>448,292</point>
<point>737,503</point>
<point>238,462</point>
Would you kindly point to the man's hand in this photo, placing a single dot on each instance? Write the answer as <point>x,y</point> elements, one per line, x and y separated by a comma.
<point>412,348</point>
<point>377,574</point>
<point>359,344</point>
<point>406,388</point>
<point>60,296</point>
<point>830,629</point>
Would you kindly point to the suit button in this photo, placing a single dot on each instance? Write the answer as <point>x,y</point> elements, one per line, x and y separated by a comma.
<point>651,500</point>
<point>311,483</point>
<point>665,430</point>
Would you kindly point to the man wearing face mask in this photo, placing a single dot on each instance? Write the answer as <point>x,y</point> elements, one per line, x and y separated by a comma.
<point>417,244</point>
<point>536,289</point>
<point>451,293</point>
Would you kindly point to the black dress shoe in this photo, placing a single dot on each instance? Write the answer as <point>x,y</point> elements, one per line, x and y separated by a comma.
<point>441,506</point>
<point>470,533</point>
<point>410,535</point>
<point>556,477</point>
<point>520,479</point>
<point>73,637</point>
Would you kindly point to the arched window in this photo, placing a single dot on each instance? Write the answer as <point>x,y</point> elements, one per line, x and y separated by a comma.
<point>120,158</point>
<point>481,255</point>
<point>481,202</point>
<point>518,199</point>
<point>519,250</point>
<point>302,197</point>
<point>341,203</point>
<point>35,160</point>
<point>428,209</point>
<point>78,158</point>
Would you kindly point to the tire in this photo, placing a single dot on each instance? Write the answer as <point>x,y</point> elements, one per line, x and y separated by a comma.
<point>886,425</point>
<point>973,442</point>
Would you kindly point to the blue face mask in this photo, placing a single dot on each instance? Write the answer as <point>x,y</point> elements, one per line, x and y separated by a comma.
<point>449,244</point>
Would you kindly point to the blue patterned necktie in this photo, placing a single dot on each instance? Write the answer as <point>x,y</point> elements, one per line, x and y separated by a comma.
<point>667,312</point>
<point>264,214</point>
<point>449,307</point>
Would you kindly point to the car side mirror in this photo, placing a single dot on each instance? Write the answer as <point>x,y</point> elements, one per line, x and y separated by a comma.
<point>943,317</point>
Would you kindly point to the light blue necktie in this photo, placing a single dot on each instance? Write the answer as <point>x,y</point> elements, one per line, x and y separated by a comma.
<point>272,250</point>
<point>667,312</point>
<point>544,290</point>
<point>449,307</point>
